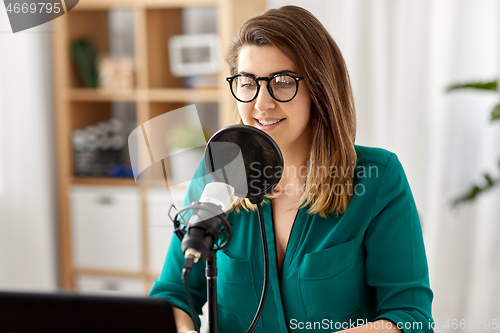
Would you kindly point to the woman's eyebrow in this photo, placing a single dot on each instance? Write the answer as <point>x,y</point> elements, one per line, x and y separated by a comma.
<point>271,74</point>
<point>246,73</point>
<point>285,71</point>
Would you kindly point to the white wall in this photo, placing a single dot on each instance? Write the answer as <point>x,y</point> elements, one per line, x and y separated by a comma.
<point>401,56</point>
<point>27,197</point>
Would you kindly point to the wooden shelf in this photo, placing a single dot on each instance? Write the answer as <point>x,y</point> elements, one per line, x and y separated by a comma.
<point>184,95</point>
<point>102,181</point>
<point>108,4</point>
<point>153,95</point>
<point>153,275</point>
<point>156,91</point>
<point>95,95</point>
<point>108,273</point>
<point>127,182</point>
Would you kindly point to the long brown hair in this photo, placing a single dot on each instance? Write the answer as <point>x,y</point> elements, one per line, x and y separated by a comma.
<point>297,33</point>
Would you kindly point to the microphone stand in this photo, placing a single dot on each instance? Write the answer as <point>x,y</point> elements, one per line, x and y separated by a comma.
<point>211,275</point>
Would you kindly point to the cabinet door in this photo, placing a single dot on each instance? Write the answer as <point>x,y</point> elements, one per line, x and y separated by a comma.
<point>109,286</point>
<point>106,228</point>
<point>161,227</point>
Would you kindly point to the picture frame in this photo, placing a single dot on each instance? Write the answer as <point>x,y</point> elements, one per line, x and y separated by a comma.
<point>194,54</point>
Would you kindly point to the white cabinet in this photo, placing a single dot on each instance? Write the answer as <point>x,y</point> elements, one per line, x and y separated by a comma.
<point>160,225</point>
<point>110,286</point>
<point>106,228</point>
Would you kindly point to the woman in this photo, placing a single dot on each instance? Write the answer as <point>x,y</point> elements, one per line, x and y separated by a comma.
<point>346,247</point>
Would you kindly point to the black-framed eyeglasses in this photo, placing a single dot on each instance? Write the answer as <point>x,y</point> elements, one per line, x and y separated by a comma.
<point>282,87</point>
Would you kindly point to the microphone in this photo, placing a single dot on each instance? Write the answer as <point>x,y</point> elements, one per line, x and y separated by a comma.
<point>236,158</point>
<point>207,222</point>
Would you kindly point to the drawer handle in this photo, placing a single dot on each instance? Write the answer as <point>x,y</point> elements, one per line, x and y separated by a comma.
<point>105,200</point>
<point>111,286</point>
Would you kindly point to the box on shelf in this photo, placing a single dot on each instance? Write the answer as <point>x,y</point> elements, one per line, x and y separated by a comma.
<point>106,228</point>
<point>109,286</point>
<point>160,225</point>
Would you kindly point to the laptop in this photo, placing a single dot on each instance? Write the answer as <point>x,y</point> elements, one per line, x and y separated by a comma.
<point>38,312</point>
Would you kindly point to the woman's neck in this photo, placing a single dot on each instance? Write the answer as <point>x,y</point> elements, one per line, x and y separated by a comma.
<point>294,171</point>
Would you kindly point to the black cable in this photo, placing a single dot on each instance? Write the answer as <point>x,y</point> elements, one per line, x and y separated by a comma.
<point>266,269</point>
<point>187,268</point>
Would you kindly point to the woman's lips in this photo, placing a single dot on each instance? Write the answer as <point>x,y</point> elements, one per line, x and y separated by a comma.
<point>265,127</point>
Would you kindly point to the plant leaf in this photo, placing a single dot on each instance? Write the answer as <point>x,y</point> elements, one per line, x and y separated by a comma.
<point>489,180</point>
<point>476,190</point>
<point>495,113</point>
<point>470,195</point>
<point>491,85</point>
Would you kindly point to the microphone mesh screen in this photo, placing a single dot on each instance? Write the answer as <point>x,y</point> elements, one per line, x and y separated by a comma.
<point>246,159</point>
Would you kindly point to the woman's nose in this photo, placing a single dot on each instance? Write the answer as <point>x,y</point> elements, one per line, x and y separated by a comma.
<point>264,100</point>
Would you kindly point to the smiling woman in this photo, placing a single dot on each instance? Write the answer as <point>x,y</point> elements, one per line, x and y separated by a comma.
<point>337,255</point>
<point>292,41</point>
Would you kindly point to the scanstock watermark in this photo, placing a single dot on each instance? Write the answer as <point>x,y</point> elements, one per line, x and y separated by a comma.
<point>28,14</point>
<point>261,173</point>
<point>327,324</point>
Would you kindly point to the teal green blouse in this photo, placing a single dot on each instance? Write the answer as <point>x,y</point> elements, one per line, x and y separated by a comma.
<point>338,272</point>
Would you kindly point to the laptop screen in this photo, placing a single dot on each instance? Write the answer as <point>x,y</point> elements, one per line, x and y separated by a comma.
<point>38,312</point>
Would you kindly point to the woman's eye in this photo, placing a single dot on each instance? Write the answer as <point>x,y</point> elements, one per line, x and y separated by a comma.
<point>247,85</point>
<point>284,83</point>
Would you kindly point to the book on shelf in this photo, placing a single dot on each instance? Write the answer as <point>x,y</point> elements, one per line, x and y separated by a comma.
<point>85,59</point>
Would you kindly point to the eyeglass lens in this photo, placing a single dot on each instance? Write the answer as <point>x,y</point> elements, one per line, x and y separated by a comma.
<point>283,87</point>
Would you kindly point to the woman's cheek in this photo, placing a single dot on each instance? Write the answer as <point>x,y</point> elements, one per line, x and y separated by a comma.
<point>244,114</point>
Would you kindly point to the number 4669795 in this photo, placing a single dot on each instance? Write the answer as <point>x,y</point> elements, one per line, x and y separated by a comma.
<point>471,324</point>
<point>33,8</point>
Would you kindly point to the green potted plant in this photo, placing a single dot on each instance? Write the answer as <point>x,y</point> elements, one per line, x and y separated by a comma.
<point>490,181</point>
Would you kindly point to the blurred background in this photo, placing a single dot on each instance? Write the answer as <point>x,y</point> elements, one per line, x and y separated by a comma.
<point>71,216</point>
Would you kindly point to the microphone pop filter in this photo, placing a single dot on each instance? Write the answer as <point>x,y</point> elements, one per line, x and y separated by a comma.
<point>246,158</point>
